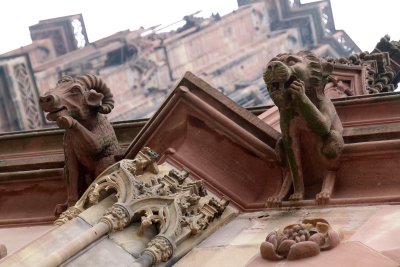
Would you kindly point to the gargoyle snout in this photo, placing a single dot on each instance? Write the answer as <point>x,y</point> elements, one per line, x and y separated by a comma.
<point>273,65</point>
<point>47,102</point>
<point>276,71</point>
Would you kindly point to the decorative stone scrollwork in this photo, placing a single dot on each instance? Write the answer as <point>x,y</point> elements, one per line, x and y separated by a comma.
<point>119,179</point>
<point>148,194</point>
<point>68,215</point>
<point>378,75</point>
<point>299,241</point>
<point>117,217</point>
<point>160,248</point>
<point>152,217</point>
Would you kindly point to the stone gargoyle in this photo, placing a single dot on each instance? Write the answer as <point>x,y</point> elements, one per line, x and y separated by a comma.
<point>90,144</point>
<point>311,128</point>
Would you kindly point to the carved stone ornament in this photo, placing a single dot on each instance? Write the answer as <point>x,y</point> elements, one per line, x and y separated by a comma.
<point>379,75</point>
<point>308,121</point>
<point>160,248</point>
<point>116,217</point>
<point>298,241</point>
<point>151,194</point>
<point>67,215</point>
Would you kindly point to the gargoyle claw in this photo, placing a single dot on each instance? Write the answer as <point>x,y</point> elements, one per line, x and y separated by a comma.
<point>323,198</point>
<point>274,202</point>
<point>296,197</point>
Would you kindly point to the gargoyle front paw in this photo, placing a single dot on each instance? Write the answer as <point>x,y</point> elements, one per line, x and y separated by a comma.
<point>296,196</point>
<point>274,202</point>
<point>297,88</point>
<point>323,198</point>
<point>65,122</point>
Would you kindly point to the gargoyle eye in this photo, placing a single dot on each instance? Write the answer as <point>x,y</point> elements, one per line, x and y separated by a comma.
<point>291,61</point>
<point>75,90</point>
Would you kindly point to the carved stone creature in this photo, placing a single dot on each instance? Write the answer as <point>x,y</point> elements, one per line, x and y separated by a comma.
<point>90,144</point>
<point>311,128</point>
<point>298,241</point>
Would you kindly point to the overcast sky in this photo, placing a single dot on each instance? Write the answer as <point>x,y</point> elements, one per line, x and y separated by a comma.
<point>365,21</point>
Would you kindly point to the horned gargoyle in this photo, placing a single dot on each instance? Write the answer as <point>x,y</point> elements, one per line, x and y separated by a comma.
<point>311,128</point>
<point>90,144</point>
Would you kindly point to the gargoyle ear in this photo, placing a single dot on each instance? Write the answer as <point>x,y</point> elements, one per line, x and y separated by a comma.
<point>327,67</point>
<point>93,99</point>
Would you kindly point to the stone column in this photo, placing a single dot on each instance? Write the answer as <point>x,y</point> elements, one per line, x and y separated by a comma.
<point>74,246</point>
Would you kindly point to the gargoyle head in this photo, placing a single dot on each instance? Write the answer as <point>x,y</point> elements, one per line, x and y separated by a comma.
<point>285,68</point>
<point>80,98</point>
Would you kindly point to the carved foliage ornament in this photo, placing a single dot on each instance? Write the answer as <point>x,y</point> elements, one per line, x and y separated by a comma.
<point>378,75</point>
<point>151,194</point>
<point>160,248</point>
<point>299,241</point>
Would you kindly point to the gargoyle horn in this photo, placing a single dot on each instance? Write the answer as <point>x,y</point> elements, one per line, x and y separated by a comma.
<point>92,82</point>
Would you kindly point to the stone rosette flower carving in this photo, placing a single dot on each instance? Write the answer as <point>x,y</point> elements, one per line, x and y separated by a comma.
<point>298,241</point>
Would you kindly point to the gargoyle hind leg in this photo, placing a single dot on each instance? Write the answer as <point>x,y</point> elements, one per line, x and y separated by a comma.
<point>276,200</point>
<point>71,174</point>
<point>331,150</point>
<point>327,188</point>
<point>293,154</point>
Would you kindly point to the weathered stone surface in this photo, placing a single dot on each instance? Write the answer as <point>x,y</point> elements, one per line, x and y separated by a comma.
<point>16,237</point>
<point>346,254</point>
<point>44,245</point>
<point>104,251</point>
<point>3,251</point>
<point>234,243</point>
<point>228,256</point>
<point>377,232</point>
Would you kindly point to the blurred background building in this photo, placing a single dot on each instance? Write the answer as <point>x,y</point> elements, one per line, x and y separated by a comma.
<point>141,66</point>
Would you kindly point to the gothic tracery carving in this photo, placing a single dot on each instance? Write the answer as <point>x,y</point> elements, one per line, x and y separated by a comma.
<point>151,194</point>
